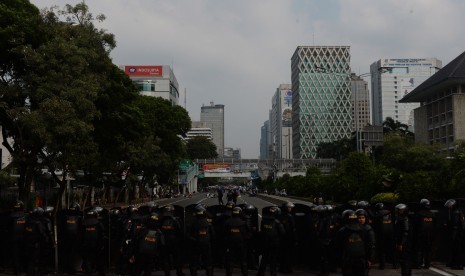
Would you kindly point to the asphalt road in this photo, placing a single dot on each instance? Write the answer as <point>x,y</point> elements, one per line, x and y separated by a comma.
<point>259,203</point>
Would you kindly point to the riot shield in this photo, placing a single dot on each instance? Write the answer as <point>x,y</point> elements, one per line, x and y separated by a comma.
<point>218,220</point>
<point>304,224</point>
<point>68,230</point>
<point>189,218</point>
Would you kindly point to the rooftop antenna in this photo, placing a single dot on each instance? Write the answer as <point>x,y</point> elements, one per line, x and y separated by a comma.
<point>185,100</point>
<point>313,30</point>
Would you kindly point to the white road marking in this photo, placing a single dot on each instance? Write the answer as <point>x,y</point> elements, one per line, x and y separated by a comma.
<point>441,271</point>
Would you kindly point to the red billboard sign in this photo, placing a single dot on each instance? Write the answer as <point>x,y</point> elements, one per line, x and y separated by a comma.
<point>216,168</point>
<point>144,70</point>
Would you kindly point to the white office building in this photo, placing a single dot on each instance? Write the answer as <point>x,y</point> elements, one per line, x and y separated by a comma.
<point>393,79</point>
<point>155,81</point>
<point>281,121</point>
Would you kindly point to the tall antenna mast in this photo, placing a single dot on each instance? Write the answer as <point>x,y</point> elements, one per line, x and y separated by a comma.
<point>185,101</point>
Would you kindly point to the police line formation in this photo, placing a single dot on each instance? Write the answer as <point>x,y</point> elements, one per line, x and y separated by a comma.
<point>355,237</point>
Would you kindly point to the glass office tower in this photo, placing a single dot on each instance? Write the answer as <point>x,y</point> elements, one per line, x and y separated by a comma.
<point>321,100</point>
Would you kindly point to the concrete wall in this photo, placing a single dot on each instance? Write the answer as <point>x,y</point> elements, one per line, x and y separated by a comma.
<point>421,124</point>
<point>458,102</point>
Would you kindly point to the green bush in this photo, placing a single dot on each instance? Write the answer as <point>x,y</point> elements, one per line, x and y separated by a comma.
<point>385,198</point>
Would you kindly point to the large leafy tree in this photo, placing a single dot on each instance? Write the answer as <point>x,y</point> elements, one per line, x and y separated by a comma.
<point>200,147</point>
<point>165,124</point>
<point>49,92</point>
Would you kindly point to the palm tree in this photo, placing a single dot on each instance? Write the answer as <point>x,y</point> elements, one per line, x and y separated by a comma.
<point>391,126</point>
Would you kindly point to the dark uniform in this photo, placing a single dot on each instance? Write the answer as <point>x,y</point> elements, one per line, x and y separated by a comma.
<point>17,222</point>
<point>383,224</point>
<point>35,236</point>
<point>424,227</point>
<point>326,227</point>
<point>270,237</point>
<point>147,245</point>
<point>402,236</point>
<point>288,243</point>
<point>455,227</point>
<point>369,237</point>
<point>220,196</point>
<point>71,224</point>
<point>132,224</point>
<point>201,237</point>
<point>173,234</point>
<point>92,243</point>
<point>351,245</point>
<point>251,219</point>
<point>236,233</point>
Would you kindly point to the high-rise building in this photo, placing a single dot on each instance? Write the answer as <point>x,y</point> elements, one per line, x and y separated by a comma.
<point>213,116</point>
<point>154,80</point>
<point>393,79</point>
<point>265,139</point>
<point>321,105</point>
<point>440,118</point>
<point>232,153</point>
<point>199,129</point>
<point>281,118</point>
<point>360,103</point>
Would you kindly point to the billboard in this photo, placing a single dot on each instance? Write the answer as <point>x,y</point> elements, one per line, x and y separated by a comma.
<point>216,168</point>
<point>143,70</point>
<point>286,115</point>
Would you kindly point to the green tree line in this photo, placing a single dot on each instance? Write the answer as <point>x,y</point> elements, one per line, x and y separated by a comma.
<point>64,105</point>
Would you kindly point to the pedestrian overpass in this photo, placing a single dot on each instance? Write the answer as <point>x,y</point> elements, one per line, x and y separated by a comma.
<point>230,168</point>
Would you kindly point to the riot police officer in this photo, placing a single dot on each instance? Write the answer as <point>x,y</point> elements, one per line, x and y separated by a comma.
<point>71,225</point>
<point>455,226</point>
<point>424,227</point>
<point>34,236</point>
<point>201,237</point>
<point>147,244</point>
<point>288,244</point>
<point>351,245</point>
<point>16,229</point>
<point>326,227</point>
<point>132,224</point>
<point>270,237</point>
<point>92,243</point>
<point>173,234</point>
<point>236,234</point>
<point>251,219</point>
<point>402,237</point>
<point>384,232</point>
<point>369,237</point>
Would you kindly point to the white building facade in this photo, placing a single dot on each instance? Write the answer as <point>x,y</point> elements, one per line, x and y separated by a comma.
<point>155,81</point>
<point>393,79</point>
<point>281,118</point>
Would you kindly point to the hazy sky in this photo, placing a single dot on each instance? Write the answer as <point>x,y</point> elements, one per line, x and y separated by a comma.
<point>237,52</point>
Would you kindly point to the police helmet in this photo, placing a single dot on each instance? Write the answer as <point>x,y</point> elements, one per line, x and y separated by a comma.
<point>153,219</point>
<point>92,213</point>
<point>249,209</point>
<point>379,206</point>
<point>352,203</point>
<point>329,208</point>
<point>115,211</point>
<point>363,204</point>
<point>19,205</point>
<point>349,216</point>
<point>200,211</point>
<point>275,211</point>
<point>230,205</point>
<point>132,209</point>
<point>168,209</point>
<point>237,211</point>
<point>451,203</point>
<point>425,203</point>
<point>289,205</point>
<point>361,212</point>
<point>401,209</point>
<point>75,207</point>
<point>37,211</point>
